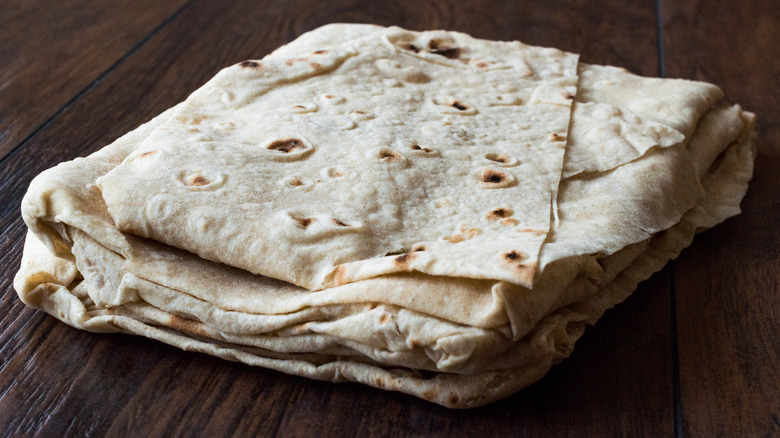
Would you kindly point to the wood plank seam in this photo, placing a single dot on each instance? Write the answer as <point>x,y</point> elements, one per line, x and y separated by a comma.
<point>675,355</point>
<point>660,29</point>
<point>673,336</point>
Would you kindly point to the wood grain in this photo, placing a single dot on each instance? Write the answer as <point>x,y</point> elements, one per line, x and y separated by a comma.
<point>620,381</point>
<point>50,51</point>
<point>727,283</point>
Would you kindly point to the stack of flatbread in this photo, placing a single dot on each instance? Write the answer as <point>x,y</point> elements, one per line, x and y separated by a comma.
<point>422,212</point>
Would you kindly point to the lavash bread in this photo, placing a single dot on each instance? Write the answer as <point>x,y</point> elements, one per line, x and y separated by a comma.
<point>408,152</point>
<point>462,339</point>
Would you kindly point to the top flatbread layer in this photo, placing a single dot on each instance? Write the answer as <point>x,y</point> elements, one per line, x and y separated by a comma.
<point>384,154</point>
<point>616,118</point>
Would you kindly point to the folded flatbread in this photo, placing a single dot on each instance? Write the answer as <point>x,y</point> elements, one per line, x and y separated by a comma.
<point>417,211</point>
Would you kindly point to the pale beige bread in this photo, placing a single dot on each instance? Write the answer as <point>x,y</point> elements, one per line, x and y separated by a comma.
<point>617,118</point>
<point>451,339</point>
<point>451,299</point>
<point>553,337</point>
<point>232,330</point>
<point>348,156</point>
<point>619,115</point>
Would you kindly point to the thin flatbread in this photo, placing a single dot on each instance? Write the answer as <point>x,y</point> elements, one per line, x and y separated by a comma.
<point>380,155</point>
<point>50,283</point>
<point>460,341</point>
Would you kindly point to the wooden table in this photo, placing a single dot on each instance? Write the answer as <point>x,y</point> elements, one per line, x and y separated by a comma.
<point>693,352</point>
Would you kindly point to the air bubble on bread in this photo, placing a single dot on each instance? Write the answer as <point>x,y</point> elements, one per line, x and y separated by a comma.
<point>331,99</point>
<point>499,159</point>
<point>287,148</point>
<point>495,179</point>
<point>333,172</point>
<point>199,181</point>
<point>387,155</point>
<point>423,150</point>
<point>452,105</point>
<point>304,108</point>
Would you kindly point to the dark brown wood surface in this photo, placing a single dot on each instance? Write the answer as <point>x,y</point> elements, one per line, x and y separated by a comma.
<point>693,352</point>
<point>52,50</point>
<point>726,284</point>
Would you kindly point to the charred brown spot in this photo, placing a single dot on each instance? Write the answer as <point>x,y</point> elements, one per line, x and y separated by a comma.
<point>429,394</point>
<point>568,96</point>
<point>320,52</point>
<point>498,158</point>
<point>465,234</point>
<point>419,248</point>
<point>303,221</point>
<point>533,231</point>
<point>500,212</point>
<point>417,147</point>
<point>250,64</point>
<point>455,239</point>
<point>491,176</point>
<point>556,137</point>
<point>198,180</point>
<point>296,182</point>
<point>459,106</point>
<point>410,47</point>
<point>436,47</point>
<point>526,271</point>
<point>447,52</point>
<point>339,223</point>
<point>514,256</point>
<point>299,107</point>
<point>287,145</point>
<point>328,96</point>
<point>315,65</point>
<point>404,259</point>
<point>454,398</point>
<point>339,275</point>
<point>384,318</point>
<point>482,64</point>
<point>146,154</point>
<point>509,221</point>
<point>388,155</point>
<point>359,112</point>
